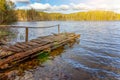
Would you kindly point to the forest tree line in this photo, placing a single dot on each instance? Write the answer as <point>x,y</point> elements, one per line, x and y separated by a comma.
<point>96,15</point>
<point>9,14</point>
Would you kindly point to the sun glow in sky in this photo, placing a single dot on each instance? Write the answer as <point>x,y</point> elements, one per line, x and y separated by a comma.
<point>68,6</point>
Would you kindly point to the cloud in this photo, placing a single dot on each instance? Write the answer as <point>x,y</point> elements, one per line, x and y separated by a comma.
<point>80,6</point>
<point>48,7</point>
<point>40,6</point>
<point>20,1</point>
<point>105,4</point>
<point>72,7</point>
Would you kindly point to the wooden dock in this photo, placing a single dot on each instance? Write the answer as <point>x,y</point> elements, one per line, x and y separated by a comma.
<point>12,54</point>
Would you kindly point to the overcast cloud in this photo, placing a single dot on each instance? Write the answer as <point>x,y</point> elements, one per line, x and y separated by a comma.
<point>71,7</point>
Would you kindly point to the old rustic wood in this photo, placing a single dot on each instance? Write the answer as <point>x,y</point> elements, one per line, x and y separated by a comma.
<point>26,30</point>
<point>24,50</point>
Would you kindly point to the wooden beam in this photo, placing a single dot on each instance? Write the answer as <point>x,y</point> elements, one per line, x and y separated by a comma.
<point>27,34</point>
<point>58,28</point>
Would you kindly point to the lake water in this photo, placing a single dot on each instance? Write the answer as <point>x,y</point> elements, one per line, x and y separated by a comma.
<point>96,57</point>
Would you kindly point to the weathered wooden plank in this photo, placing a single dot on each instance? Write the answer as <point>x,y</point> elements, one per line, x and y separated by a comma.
<point>24,44</point>
<point>33,46</point>
<point>38,41</point>
<point>14,49</point>
<point>20,45</point>
<point>5,54</point>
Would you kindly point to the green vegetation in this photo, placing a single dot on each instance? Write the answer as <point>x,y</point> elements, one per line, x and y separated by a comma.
<point>6,35</point>
<point>32,15</point>
<point>7,16</point>
<point>43,56</point>
<point>7,13</point>
<point>3,33</point>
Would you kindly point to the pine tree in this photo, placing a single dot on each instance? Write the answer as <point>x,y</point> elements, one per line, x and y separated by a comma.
<point>7,13</point>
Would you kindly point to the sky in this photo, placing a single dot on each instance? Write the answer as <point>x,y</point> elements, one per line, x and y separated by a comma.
<point>68,6</point>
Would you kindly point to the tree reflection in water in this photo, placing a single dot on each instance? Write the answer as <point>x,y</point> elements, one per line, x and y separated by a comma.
<point>6,35</point>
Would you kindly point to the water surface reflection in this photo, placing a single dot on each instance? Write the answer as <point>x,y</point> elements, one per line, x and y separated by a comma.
<point>97,57</point>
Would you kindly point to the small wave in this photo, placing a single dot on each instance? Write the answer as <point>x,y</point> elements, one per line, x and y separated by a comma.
<point>103,51</point>
<point>100,42</point>
<point>95,71</point>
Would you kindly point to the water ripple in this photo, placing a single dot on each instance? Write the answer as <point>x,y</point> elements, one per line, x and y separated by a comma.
<point>96,71</point>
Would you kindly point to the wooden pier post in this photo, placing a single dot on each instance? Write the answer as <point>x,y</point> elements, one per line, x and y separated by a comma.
<point>58,28</point>
<point>26,33</point>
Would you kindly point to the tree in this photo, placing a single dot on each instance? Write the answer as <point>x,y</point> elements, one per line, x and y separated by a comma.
<point>96,15</point>
<point>7,13</point>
